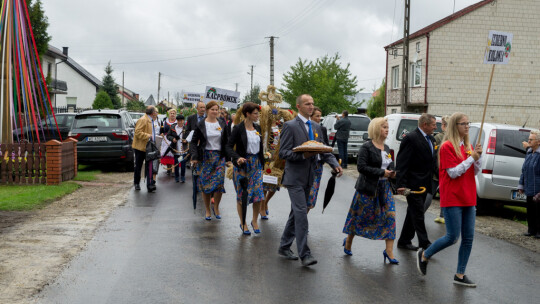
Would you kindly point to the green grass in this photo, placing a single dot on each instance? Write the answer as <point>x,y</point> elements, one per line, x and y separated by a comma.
<point>86,174</point>
<point>517,209</point>
<point>521,212</point>
<point>28,197</point>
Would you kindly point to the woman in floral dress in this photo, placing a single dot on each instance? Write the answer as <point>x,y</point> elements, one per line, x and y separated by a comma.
<point>208,149</point>
<point>245,147</point>
<point>372,213</point>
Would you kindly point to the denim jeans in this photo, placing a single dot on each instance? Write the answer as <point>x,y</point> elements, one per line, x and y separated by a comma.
<point>342,148</point>
<point>458,220</point>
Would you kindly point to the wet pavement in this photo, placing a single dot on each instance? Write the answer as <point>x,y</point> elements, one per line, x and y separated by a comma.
<point>157,249</point>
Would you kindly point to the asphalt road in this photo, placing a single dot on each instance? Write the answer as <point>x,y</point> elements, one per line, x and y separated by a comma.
<point>157,249</point>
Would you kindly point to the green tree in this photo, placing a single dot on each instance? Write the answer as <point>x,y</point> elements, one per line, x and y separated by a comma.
<point>135,105</point>
<point>375,106</point>
<point>325,79</point>
<point>110,87</point>
<point>40,23</point>
<point>253,95</point>
<point>102,101</point>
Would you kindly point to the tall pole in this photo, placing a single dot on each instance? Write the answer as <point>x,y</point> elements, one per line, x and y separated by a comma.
<point>236,83</point>
<point>272,59</point>
<point>251,91</point>
<point>158,86</point>
<point>405,74</point>
<point>123,88</point>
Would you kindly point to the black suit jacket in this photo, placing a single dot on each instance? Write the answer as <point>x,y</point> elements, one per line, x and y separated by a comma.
<point>369,166</point>
<point>198,142</point>
<point>325,136</point>
<point>191,124</point>
<point>415,162</point>
<point>239,139</point>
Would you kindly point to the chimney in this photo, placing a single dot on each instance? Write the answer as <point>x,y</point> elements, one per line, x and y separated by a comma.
<point>65,50</point>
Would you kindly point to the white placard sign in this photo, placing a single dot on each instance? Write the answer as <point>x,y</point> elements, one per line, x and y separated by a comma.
<point>225,98</point>
<point>191,97</point>
<point>499,47</point>
<point>269,179</point>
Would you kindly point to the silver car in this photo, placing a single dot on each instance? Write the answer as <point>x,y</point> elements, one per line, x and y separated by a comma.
<point>359,126</point>
<point>503,157</point>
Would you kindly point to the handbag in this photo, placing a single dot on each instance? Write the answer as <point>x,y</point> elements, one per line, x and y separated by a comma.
<point>152,151</point>
<point>536,198</point>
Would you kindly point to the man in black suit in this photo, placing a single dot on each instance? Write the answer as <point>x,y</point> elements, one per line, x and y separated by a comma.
<point>414,166</point>
<point>194,119</point>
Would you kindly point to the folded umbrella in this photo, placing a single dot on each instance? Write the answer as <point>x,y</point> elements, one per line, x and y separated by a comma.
<point>244,185</point>
<point>329,189</point>
<point>195,187</point>
<point>429,198</point>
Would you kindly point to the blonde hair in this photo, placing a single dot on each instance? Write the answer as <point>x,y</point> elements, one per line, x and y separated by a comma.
<point>536,133</point>
<point>171,110</point>
<point>452,134</point>
<point>374,128</point>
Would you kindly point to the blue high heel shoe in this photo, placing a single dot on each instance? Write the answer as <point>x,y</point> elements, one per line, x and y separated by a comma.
<point>264,217</point>
<point>257,231</point>
<point>392,261</point>
<point>347,252</point>
<point>214,212</point>
<point>244,232</point>
<point>208,218</point>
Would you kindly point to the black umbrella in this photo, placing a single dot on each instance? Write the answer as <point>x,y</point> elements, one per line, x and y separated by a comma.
<point>244,185</point>
<point>330,189</point>
<point>195,177</point>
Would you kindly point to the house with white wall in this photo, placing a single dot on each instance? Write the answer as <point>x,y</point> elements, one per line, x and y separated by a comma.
<point>449,75</point>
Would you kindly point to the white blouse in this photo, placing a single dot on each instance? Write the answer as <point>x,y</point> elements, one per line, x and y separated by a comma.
<point>386,161</point>
<point>254,142</point>
<point>213,136</point>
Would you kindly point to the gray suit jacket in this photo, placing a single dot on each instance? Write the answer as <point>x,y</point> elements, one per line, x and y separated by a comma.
<point>298,170</point>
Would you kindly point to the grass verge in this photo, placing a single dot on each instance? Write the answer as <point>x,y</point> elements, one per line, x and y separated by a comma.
<point>520,213</point>
<point>28,197</point>
<point>86,174</point>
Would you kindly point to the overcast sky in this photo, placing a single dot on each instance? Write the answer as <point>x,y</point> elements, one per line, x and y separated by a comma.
<point>213,42</point>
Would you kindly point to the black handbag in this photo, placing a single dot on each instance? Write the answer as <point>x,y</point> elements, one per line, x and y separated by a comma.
<point>152,151</point>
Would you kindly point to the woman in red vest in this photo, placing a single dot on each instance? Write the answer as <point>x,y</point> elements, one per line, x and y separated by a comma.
<point>458,164</point>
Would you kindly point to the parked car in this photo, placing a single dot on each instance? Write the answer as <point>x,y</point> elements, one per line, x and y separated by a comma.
<point>399,125</point>
<point>135,116</point>
<point>502,159</point>
<point>48,130</point>
<point>359,126</point>
<point>105,136</point>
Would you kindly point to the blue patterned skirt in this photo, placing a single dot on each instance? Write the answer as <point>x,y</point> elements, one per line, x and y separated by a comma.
<point>255,184</point>
<point>212,172</point>
<point>314,192</point>
<point>373,217</point>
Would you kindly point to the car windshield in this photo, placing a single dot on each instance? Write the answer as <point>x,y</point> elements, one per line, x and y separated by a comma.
<point>359,123</point>
<point>408,125</point>
<point>97,121</point>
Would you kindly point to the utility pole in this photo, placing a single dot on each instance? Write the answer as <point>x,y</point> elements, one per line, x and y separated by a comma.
<point>405,74</point>
<point>158,86</point>
<point>123,88</point>
<point>272,59</point>
<point>168,96</point>
<point>251,91</point>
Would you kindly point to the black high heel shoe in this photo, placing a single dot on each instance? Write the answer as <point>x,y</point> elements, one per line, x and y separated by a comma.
<point>392,261</point>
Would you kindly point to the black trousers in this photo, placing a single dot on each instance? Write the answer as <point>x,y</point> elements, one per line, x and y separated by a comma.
<point>139,160</point>
<point>414,222</point>
<point>533,216</point>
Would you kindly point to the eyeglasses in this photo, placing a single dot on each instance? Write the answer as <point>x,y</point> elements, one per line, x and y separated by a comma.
<point>463,124</point>
<point>531,139</point>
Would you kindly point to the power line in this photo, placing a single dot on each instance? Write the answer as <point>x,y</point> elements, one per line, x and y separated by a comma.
<point>180,58</point>
<point>312,10</point>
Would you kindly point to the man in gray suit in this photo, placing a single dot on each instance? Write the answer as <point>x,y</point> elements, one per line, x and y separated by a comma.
<point>298,177</point>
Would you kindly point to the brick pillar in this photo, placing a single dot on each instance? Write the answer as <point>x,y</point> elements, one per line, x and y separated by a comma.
<point>74,141</point>
<point>53,155</point>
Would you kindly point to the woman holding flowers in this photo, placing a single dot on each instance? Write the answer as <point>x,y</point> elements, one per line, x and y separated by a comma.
<point>208,148</point>
<point>245,147</point>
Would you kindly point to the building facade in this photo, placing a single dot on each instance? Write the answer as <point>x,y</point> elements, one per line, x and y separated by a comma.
<point>449,75</point>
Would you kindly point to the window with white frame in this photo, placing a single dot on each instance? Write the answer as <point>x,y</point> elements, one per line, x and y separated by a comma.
<point>418,47</point>
<point>395,77</point>
<point>416,73</point>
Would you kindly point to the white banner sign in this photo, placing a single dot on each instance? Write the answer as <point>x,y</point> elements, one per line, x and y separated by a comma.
<point>269,179</point>
<point>191,97</point>
<point>499,47</point>
<point>225,98</point>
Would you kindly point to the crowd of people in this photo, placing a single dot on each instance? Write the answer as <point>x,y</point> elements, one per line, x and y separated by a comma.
<point>213,142</point>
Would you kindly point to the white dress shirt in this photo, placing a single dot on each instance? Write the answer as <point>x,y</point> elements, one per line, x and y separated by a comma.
<point>253,142</point>
<point>213,136</point>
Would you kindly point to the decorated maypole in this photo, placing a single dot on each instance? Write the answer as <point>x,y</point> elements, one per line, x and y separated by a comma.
<point>24,98</point>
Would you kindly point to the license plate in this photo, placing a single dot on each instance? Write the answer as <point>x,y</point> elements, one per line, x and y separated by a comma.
<point>96,138</point>
<point>356,138</point>
<point>518,196</point>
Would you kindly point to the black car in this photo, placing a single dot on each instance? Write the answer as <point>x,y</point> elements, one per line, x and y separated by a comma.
<point>105,136</point>
<point>48,130</point>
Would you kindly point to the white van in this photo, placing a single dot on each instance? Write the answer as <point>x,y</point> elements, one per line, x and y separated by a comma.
<point>400,124</point>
